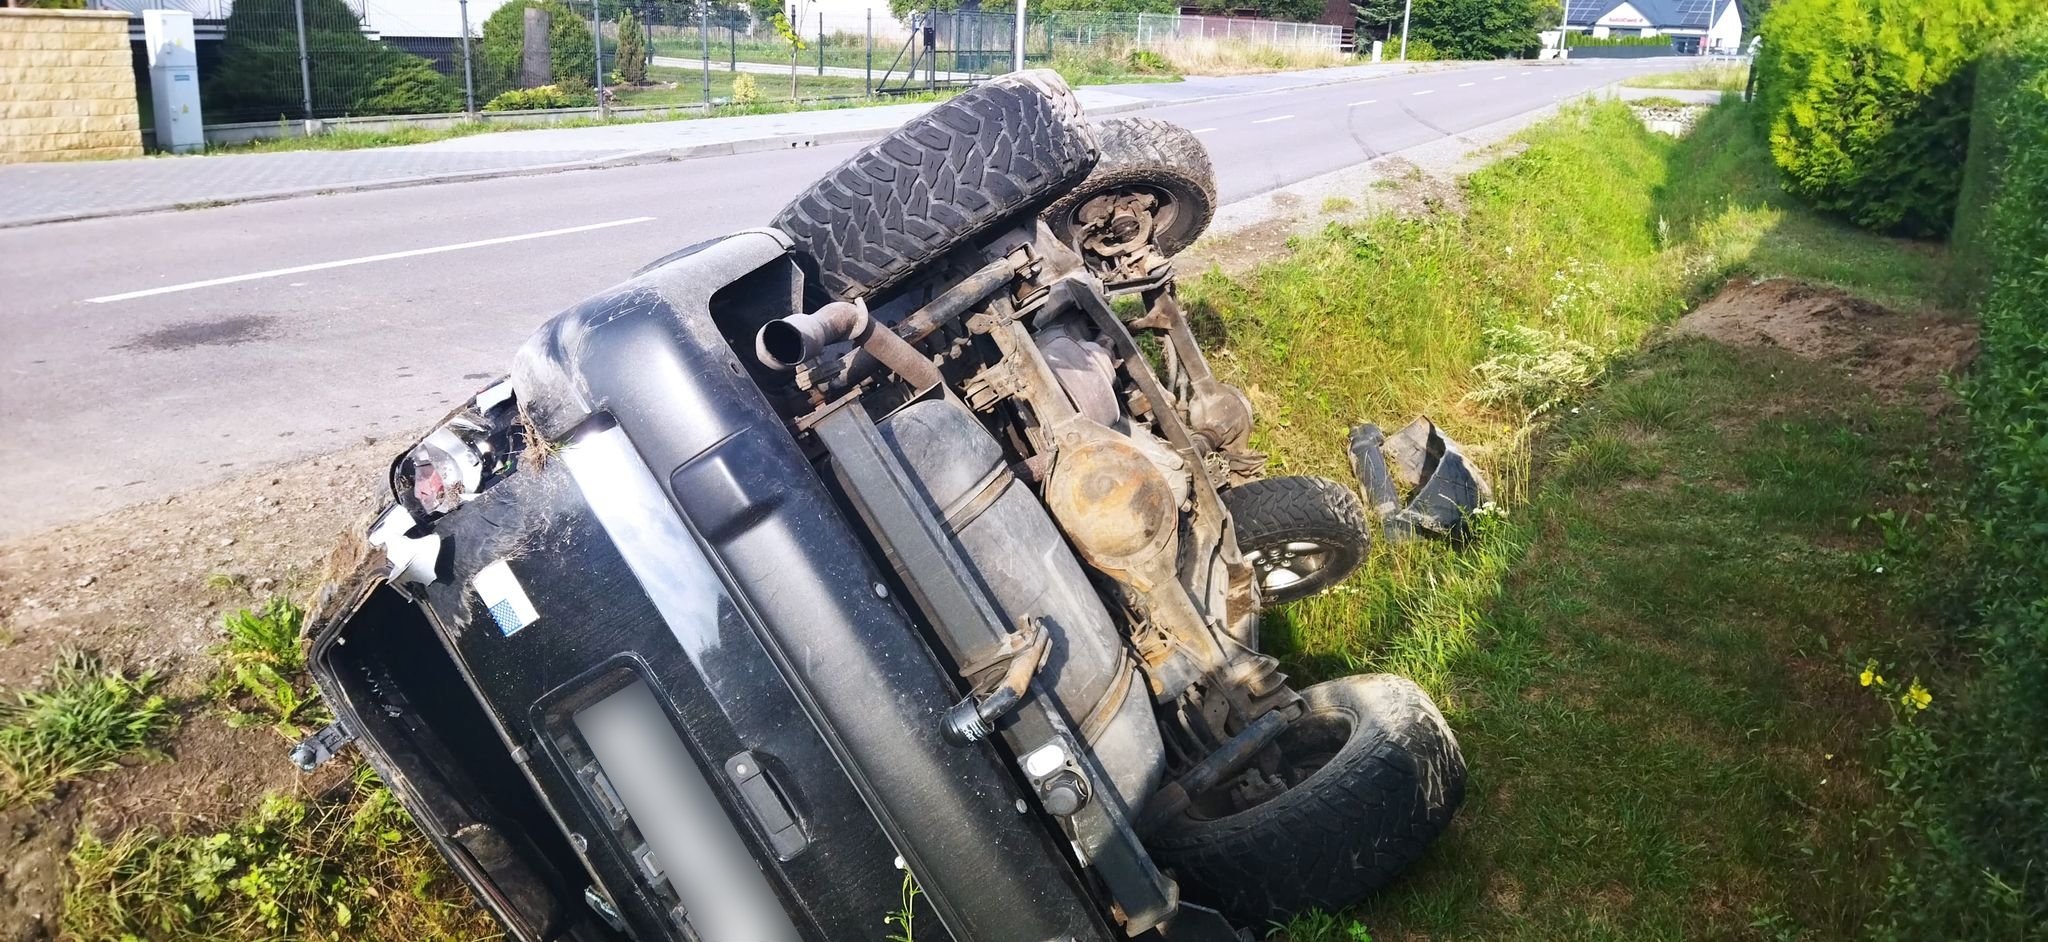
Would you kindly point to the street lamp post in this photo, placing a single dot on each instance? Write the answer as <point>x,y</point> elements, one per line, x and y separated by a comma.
<point>468,79</point>
<point>1017,44</point>
<point>1406,8</point>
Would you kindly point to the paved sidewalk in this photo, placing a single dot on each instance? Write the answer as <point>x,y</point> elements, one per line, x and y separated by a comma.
<point>53,192</point>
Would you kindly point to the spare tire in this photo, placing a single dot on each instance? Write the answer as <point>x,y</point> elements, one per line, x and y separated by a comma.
<point>1300,534</point>
<point>993,154</point>
<point>1161,164</point>
<point>1373,777</point>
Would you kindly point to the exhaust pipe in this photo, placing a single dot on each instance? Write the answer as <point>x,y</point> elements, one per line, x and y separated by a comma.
<point>799,338</point>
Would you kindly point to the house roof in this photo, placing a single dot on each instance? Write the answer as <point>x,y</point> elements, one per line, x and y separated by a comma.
<point>1662,14</point>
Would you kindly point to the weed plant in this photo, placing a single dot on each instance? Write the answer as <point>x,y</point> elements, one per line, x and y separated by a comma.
<point>83,717</point>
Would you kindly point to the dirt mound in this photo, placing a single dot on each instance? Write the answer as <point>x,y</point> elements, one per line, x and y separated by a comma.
<point>1899,354</point>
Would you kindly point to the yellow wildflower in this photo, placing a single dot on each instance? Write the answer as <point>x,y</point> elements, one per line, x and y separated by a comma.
<point>1916,696</point>
<point>1870,674</point>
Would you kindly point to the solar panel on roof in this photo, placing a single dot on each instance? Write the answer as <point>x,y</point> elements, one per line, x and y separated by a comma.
<point>1693,14</point>
<point>1584,12</point>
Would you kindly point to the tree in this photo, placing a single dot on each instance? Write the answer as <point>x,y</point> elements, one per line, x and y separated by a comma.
<point>412,88</point>
<point>258,77</point>
<point>571,57</point>
<point>1479,29</point>
<point>632,51</point>
<point>1868,102</point>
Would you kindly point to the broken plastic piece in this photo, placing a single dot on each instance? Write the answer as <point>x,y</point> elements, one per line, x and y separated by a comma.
<point>413,559</point>
<point>1444,486</point>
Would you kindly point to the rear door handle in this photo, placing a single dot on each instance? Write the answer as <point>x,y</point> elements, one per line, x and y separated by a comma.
<point>765,802</point>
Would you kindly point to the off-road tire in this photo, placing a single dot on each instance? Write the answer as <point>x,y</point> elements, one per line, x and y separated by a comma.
<point>1150,153</point>
<point>995,153</point>
<point>1271,514</point>
<point>1391,777</point>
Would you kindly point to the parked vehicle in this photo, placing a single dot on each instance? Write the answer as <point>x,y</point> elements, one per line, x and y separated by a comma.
<point>909,539</point>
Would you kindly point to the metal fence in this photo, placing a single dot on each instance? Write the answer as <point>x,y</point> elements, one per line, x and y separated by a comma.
<point>1150,30</point>
<point>292,60</point>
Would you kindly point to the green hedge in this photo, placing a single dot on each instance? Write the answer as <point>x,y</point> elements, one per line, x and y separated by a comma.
<point>1581,39</point>
<point>1867,102</point>
<point>259,78</point>
<point>1992,790</point>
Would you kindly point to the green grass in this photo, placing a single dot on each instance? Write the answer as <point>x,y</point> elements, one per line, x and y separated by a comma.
<point>83,717</point>
<point>349,865</point>
<point>1650,657</point>
<point>1713,76</point>
<point>262,667</point>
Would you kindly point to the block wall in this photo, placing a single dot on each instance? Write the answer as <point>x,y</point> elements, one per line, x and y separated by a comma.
<point>67,86</point>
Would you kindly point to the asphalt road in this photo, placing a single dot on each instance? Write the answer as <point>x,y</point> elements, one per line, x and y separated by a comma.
<point>145,356</point>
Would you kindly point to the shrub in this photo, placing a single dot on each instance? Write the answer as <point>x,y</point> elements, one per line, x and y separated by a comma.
<point>412,88</point>
<point>1867,102</point>
<point>632,51</point>
<point>1419,50</point>
<point>544,97</point>
<point>1978,795</point>
<point>258,77</point>
<point>745,90</point>
<point>571,56</point>
<point>1148,62</point>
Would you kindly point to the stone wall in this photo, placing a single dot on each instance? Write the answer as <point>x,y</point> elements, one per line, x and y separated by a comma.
<point>67,86</point>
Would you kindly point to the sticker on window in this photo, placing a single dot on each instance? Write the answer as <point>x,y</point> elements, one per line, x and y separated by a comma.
<point>504,598</point>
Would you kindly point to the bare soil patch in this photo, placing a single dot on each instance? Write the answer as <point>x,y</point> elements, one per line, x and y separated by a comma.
<point>146,587</point>
<point>1902,355</point>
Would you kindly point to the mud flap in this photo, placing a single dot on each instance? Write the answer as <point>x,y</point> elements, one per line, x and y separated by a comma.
<point>1444,486</point>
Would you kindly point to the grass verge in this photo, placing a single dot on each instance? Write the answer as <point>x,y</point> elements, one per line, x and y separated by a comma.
<point>346,866</point>
<point>1652,662</point>
<point>85,717</point>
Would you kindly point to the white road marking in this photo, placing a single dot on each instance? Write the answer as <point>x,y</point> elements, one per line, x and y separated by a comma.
<point>1467,84</point>
<point>1499,77</point>
<point>364,260</point>
<point>1368,101</point>
<point>1427,91</point>
<point>1525,73</point>
<point>1201,130</point>
<point>1273,119</point>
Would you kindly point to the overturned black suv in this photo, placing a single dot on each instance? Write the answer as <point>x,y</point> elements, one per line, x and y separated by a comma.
<point>882,545</point>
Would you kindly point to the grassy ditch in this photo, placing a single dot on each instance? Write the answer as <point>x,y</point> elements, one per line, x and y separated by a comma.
<point>1652,655</point>
<point>1713,76</point>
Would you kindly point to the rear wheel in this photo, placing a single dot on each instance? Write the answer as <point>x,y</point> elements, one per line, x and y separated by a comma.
<point>1301,535</point>
<point>993,154</point>
<point>1369,777</point>
<point>1153,186</point>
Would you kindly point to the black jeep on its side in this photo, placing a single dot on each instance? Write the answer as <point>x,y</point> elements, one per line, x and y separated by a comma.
<point>910,538</point>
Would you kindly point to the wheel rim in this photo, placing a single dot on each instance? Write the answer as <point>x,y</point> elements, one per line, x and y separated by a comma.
<point>1121,220</point>
<point>1288,565</point>
<point>1305,748</point>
